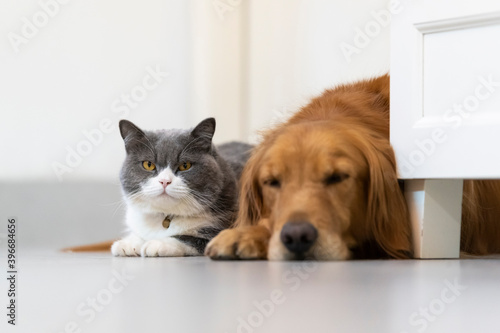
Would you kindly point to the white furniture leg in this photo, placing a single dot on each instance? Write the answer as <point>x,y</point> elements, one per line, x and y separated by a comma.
<point>435,208</point>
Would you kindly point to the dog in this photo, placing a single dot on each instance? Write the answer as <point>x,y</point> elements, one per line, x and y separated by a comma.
<point>324,186</point>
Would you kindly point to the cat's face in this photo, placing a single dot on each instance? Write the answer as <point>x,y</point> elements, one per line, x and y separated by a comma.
<point>170,171</point>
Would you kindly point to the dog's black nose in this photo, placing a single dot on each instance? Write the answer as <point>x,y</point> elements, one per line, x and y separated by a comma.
<point>298,237</point>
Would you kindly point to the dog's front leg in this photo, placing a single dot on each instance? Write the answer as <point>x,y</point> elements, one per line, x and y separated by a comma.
<point>248,242</point>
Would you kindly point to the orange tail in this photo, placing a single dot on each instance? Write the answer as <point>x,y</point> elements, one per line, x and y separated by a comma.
<point>97,247</point>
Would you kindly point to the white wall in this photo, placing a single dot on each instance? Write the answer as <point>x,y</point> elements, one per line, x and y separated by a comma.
<point>218,61</point>
<point>295,52</point>
<point>245,62</point>
<point>64,81</point>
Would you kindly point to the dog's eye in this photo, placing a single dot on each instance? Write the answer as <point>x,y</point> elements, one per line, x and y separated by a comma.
<point>335,178</point>
<point>273,182</point>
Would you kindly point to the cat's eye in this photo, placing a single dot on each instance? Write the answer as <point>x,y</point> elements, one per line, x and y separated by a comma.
<point>150,166</point>
<point>185,166</point>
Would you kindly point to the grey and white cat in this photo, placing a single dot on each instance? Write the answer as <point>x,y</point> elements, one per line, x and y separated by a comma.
<point>179,188</point>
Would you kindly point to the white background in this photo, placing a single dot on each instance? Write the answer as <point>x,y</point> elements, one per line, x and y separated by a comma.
<point>249,66</point>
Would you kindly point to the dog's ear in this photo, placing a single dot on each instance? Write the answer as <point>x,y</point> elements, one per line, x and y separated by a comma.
<point>387,213</point>
<point>251,203</point>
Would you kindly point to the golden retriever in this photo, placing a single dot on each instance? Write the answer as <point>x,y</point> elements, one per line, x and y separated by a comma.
<point>324,186</point>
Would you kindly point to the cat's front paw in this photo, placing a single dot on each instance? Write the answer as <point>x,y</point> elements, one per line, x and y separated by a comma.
<point>165,248</point>
<point>127,247</point>
<point>239,243</point>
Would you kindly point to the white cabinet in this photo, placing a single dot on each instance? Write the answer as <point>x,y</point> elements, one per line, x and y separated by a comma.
<point>445,111</point>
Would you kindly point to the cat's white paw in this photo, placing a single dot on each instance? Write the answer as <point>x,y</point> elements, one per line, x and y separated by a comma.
<point>169,247</point>
<point>127,247</point>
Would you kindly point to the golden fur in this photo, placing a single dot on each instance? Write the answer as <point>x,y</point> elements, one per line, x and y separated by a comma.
<point>332,165</point>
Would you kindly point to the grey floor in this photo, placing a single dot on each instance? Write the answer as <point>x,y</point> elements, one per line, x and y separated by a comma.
<point>99,293</point>
<point>71,292</point>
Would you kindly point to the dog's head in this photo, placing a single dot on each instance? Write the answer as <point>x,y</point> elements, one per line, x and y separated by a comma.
<point>326,192</point>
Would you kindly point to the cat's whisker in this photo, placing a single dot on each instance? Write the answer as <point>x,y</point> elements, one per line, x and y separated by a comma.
<point>179,190</point>
<point>112,203</point>
<point>121,205</point>
<point>195,209</point>
<point>133,195</point>
<point>206,202</point>
<point>200,206</point>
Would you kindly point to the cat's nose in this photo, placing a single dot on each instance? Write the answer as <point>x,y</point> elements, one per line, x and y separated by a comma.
<point>165,182</point>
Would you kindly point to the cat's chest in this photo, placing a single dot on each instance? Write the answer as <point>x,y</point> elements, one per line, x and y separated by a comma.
<point>153,225</point>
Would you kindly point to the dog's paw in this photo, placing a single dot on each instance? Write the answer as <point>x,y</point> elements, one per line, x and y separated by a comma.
<point>127,247</point>
<point>239,243</point>
<point>164,248</point>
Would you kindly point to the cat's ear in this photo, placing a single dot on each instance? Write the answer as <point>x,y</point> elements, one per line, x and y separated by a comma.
<point>203,134</point>
<point>128,128</point>
<point>131,134</point>
<point>205,129</point>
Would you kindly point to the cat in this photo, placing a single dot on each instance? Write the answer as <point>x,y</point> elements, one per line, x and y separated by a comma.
<point>179,188</point>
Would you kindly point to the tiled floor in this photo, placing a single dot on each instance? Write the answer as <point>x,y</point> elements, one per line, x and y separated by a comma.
<point>65,292</point>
